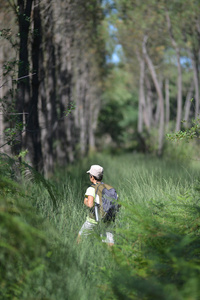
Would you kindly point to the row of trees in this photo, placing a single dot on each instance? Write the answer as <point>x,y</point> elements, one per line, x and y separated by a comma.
<point>55,74</point>
<point>161,49</point>
<point>52,57</point>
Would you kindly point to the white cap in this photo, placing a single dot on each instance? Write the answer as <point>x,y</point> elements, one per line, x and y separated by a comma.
<point>96,171</point>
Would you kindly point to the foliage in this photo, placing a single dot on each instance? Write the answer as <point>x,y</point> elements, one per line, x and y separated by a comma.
<point>131,21</point>
<point>158,233</point>
<point>187,134</point>
<point>118,115</point>
<point>20,171</point>
<point>23,247</point>
<point>160,250</point>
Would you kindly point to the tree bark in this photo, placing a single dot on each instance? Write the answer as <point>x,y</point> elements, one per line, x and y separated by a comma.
<point>167,103</point>
<point>149,96</point>
<point>196,80</point>
<point>142,103</point>
<point>33,138</point>
<point>188,105</point>
<point>94,105</point>
<point>50,87</point>
<point>23,97</point>
<point>140,118</point>
<point>179,80</point>
<point>160,96</point>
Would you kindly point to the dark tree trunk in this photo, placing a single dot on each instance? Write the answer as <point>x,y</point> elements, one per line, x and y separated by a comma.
<point>50,107</point>
<point>23,97</point>
<point>33,140</point>
<point>65,53</point>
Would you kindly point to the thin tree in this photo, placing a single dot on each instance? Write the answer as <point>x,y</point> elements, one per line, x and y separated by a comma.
<point>179,79</point>
<point>160,95</point>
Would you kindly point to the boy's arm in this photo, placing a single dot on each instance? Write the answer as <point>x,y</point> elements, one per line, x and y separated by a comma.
<point>89,201</point>
<point>89,197</point>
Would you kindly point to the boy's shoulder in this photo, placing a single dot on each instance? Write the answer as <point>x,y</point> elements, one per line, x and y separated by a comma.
<point>90,191</point>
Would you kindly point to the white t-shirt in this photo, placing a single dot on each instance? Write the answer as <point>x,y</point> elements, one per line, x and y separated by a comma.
<point>91,192</point>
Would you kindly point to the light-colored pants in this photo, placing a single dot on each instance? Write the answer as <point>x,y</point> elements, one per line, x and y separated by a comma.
<point>87,229</point>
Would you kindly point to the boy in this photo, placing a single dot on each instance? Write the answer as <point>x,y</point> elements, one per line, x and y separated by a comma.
<point>96,176</point>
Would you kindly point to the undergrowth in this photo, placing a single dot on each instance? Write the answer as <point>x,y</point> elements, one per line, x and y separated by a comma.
<point>156,253</point>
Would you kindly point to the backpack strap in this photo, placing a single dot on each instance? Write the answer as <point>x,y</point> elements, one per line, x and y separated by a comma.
<point>98,188</point>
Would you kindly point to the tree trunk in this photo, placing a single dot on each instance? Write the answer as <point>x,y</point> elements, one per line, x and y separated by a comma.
<point>42,103</point>
<point>50,86</point>
<point>157,113</point>
<point>142,103</point>
<point>149,96</point>
<point>33,137</point>
<point>196,81</point>
<point>160,96</point>
<point>140,118</point>
<point>23,98</point>
<point>188,105</point>
<point>94,108</point>
<point>1,112</point>
<point>167,103</point>
<point>84,120</point>
<point>179,98</point>
<point>1,96</point>
<point>179,80</point>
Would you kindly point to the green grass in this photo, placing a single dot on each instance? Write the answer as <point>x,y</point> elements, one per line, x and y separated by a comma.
<point>156,255</point>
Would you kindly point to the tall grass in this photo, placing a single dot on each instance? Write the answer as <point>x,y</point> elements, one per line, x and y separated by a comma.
<point>156,255</point>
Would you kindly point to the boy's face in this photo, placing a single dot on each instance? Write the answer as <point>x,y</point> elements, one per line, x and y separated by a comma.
<point>91,178</point>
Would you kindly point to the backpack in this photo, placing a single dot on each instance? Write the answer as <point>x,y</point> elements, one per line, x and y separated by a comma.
<point>108,206</point>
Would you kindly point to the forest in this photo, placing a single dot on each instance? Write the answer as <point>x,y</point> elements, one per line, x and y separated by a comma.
<point>108,82</point>
<point>63,95</point>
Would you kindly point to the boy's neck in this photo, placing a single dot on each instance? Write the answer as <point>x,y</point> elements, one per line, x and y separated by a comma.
<point>96,182</point>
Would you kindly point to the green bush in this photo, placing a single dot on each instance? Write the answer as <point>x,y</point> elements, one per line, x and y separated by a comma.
<point>22,246</point>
